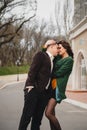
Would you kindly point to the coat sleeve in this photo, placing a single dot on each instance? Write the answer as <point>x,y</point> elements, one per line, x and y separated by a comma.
<point>64,69</point>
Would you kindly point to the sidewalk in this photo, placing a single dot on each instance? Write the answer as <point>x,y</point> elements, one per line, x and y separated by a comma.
<point>8,79</point>
<point>78,98</point>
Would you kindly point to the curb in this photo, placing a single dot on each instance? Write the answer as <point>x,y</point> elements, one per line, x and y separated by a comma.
<point>76,103</point>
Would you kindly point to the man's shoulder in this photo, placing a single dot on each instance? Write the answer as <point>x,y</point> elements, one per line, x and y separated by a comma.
<point>41,57</point>
<point>41,53</point>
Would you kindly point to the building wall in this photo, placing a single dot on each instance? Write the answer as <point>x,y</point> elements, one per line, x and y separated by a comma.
<point>80,42</point>
<point>78,37</point>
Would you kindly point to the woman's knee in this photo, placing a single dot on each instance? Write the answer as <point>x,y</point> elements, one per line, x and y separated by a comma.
<point>50,109</point>
<point>47,114</point>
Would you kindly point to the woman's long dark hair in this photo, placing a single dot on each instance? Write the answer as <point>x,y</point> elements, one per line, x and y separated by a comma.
<point>67,46</point>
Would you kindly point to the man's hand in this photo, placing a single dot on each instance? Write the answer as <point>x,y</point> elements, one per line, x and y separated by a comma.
<point>29,88</point>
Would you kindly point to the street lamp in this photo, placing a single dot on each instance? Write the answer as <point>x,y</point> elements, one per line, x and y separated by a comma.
<point>18,63</point>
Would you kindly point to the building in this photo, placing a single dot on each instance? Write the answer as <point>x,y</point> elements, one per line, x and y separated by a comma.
<point>78,37</point>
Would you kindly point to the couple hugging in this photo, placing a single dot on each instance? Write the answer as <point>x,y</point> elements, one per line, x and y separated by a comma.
<point>46,84</point>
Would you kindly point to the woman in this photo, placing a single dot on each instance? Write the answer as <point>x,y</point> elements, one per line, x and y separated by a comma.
<point>61,72</point>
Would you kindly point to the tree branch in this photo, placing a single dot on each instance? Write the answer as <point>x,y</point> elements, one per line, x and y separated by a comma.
<point>13,36</point>
<point>25,22</point>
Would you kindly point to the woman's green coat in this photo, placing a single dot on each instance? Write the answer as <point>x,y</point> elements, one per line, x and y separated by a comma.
<point>62,70</point>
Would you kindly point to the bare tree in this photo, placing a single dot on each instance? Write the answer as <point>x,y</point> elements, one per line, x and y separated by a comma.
<point>57,12</point>
<point>66,20</point>
<point>34,38</point>
<point>62,18</point>
<point>6,7</point>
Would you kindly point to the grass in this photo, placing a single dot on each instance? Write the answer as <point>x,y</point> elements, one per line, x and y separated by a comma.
<point>8,70</point>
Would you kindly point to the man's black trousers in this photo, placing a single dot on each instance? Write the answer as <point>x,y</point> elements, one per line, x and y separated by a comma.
<point>34,106</point>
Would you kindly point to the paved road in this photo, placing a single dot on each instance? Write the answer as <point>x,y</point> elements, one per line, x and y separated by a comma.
<point>11,104</point>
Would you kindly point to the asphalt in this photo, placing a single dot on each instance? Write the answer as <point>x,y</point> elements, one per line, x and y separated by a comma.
<point>77,98</point>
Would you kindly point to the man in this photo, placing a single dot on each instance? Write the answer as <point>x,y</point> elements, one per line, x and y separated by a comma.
<point>36,87</point>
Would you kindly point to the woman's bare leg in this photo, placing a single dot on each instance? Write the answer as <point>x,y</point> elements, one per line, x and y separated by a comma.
<point>50,109</point>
